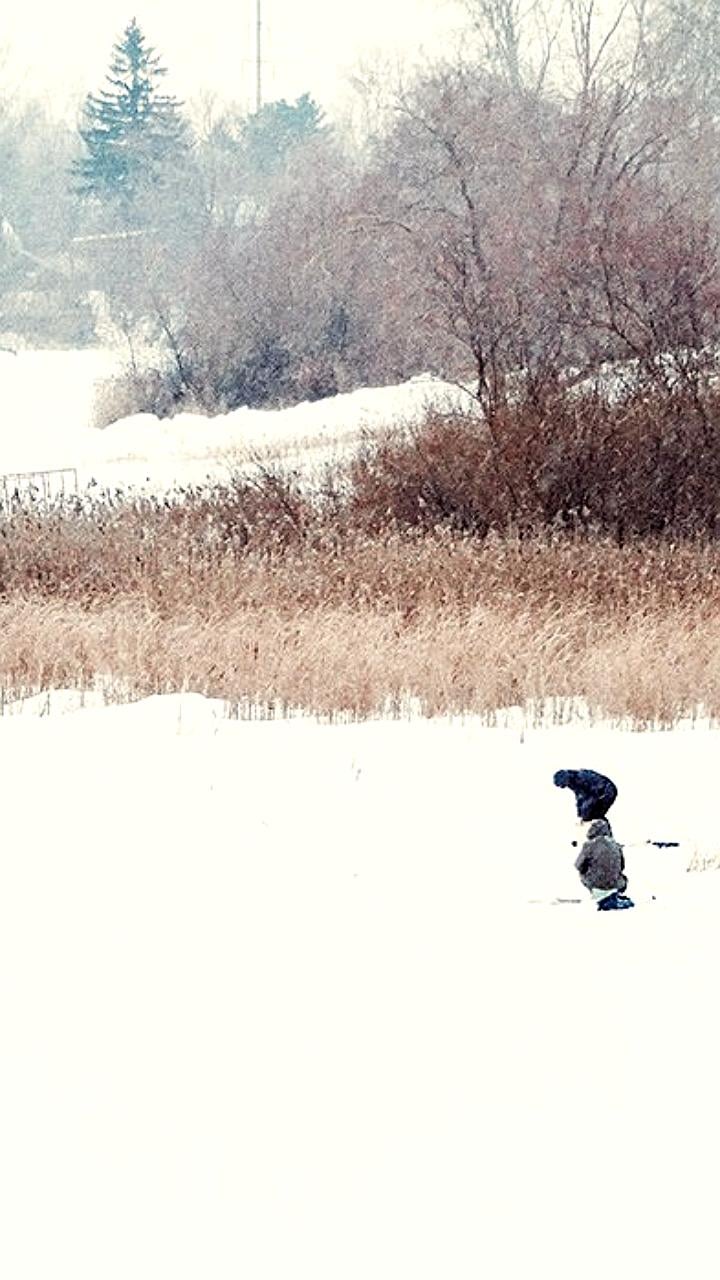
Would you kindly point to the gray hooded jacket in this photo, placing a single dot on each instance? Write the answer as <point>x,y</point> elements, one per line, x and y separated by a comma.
<point>601,862</point>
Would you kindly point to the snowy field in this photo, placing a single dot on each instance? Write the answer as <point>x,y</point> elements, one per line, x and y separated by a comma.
<point>276,1001</point>
<point>48,412</point>
<point>281,999</point>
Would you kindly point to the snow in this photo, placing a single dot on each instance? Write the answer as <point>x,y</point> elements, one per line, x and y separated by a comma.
<point>283,999</point>
<point>275,1001</point>
<point>48,398</point>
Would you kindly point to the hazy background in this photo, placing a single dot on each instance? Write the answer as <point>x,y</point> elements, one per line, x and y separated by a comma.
<point>63,51</point>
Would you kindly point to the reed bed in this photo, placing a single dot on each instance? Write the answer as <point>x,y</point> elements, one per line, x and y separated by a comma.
<point>647,666</point>
<point>338,599</point>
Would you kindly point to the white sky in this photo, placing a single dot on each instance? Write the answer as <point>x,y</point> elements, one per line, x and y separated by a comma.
<point>64,50</point>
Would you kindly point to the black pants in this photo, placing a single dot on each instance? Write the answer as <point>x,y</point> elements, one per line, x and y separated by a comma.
<point>598,809</point>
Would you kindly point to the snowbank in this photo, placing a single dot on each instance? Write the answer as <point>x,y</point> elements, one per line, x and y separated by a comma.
<point>48,396</point>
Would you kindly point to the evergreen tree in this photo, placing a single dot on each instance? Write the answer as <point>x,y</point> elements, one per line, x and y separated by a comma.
<point>272,132</point>
<point>132,132</point>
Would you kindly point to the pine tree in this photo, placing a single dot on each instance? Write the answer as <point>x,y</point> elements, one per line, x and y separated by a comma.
<point>131,131</point>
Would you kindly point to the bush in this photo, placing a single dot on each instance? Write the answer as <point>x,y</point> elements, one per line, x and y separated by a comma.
<point>645,465</point>
<point>139,391</point>
<point>268,376</point>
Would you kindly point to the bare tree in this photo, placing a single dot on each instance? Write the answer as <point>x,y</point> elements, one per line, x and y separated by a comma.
<point>462,181</point>
<point>520,220</point>
<point>518,38</point>
<point>594,43</point>
<point>684,44</point>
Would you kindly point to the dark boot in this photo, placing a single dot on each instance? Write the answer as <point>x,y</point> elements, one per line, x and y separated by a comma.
<point>615,902</point>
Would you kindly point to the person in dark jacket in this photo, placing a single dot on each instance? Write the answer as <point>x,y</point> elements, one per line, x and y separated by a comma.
<point>601,865</point>
<point>594,793</point>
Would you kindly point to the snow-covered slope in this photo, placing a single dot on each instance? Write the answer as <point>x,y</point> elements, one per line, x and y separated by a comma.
<point>274,1002</point>
<point>48,396</point>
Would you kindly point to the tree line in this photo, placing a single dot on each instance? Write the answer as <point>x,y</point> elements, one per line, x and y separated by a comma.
<point>529,212</point>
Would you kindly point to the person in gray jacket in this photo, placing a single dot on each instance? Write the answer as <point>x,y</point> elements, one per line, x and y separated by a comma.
<point>601,864</point>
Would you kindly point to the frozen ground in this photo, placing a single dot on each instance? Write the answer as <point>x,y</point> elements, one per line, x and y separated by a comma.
<point>277,999</point>
<point>48,409</point>
<point>275,1003</point>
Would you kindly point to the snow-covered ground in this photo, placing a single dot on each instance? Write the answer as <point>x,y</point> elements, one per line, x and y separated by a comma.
<point>275,1001</point>
<point>281,999</point>
<point>48,414</point>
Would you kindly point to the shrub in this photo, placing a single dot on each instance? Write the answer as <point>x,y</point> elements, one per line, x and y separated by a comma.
<point>644,464</point>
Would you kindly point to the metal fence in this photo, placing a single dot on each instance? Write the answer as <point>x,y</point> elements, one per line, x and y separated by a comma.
<point>25,488</point>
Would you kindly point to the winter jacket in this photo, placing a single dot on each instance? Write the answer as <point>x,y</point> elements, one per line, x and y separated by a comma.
<point>593,792</point>
<point>601,862</point>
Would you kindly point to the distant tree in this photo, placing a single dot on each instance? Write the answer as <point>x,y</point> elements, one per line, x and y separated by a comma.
<point>241,161</point>
<point>683,38</point>
<point>517,39</point>
<point>276,129</point>
<point>132,132</point>
<point>36,152</point>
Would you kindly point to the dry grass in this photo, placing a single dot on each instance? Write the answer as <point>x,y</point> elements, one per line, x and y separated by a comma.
<point>261,591</point>
<point>335,658</point>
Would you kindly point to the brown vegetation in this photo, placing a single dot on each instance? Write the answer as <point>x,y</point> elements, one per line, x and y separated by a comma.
<point>645,666</point>
<point>442,565</point>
